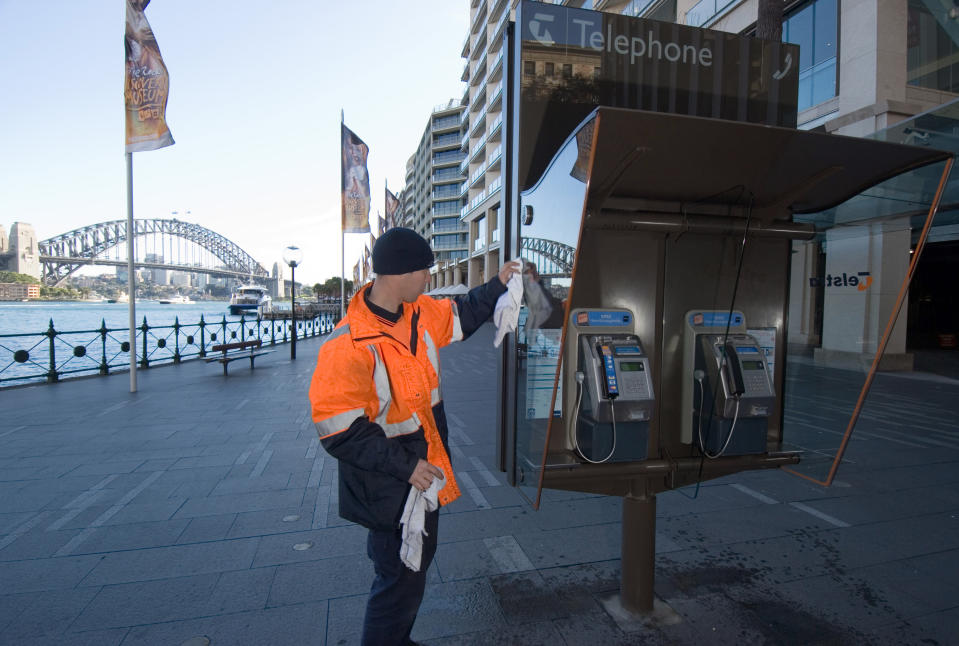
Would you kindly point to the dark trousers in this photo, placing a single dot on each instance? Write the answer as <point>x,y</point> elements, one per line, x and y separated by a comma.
<point>397,590</point>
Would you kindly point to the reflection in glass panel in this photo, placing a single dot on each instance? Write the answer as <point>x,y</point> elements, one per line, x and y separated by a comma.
<point>551,213</point>
<point>844,291</point>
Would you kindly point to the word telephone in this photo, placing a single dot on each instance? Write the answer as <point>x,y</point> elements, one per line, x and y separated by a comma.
<point>613,388</point>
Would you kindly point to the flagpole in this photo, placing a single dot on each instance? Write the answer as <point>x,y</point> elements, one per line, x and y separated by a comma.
<point>131,276</point>
<point>342,232</point>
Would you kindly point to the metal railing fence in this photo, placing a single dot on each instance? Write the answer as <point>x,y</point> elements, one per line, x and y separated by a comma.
<point>54,354</point>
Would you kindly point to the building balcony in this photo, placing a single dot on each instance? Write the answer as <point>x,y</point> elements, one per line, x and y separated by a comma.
<point>494,156</point>
<point>479,18</point>
<point>705,11</point>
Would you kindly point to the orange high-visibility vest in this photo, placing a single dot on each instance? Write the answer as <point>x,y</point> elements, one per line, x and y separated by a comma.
<point>368,367</point>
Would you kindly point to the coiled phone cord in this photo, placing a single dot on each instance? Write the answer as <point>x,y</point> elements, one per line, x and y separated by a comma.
<point>579,400</point>
<point>702,445</point>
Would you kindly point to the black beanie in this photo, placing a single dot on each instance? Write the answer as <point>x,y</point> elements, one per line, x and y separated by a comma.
<point>400,251</point>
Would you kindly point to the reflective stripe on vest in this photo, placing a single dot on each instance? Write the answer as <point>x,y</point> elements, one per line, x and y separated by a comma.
<point>384,397</point>
<point>337,423</point>
<point>345,329</point>
<point>457,328</point>
<point>436,394</point>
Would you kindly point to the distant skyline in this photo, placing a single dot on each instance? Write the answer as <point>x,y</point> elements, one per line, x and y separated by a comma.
<point>256,92</point>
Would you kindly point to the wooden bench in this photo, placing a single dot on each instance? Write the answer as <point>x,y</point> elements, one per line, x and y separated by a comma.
<point>233,351</point>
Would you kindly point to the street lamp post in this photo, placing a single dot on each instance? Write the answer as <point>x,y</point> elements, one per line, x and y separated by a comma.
<point>292,256</point>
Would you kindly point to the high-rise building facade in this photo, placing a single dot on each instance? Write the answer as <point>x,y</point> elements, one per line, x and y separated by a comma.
<point>432,198</point>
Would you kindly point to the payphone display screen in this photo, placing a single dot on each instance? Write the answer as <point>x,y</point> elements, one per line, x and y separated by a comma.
<point>631,366</point>
<point>752,365</point>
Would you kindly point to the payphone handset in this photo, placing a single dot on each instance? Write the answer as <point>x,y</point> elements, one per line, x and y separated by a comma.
<point>613,389</point>
<point>726,383</point>
<point>737,366</point>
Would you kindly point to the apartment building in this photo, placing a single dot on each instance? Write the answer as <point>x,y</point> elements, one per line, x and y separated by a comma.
<point>432,196</point>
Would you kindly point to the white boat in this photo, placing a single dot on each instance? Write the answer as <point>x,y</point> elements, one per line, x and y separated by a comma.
<point>249,298</point>
<point>179,299</point>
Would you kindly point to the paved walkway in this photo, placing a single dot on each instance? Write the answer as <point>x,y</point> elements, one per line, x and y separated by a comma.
<point>203,507</point>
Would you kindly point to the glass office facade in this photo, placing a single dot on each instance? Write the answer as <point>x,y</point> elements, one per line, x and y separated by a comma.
<point>814,27</point>
<point>932,54</point>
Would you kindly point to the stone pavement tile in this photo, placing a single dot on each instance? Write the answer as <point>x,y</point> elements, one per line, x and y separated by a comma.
<point>175,561</point>
<point>147,602</point>
<point>593,578</point>
<point>97,467</point>
<point>535,634</point>
<point>848,602</point>
<point>486,523</point>
<point>41,614</point>
<point>147,512</point>
<point>110,637</point>
<point>45,574</point>
<point>345,623</point>
<point>938,627</point>
<point>574,545</point>
<point>527,597</point>
<point>931,590</point>
<point>464,560</point>
<point>861,509</point>
<point>156,464</point>
<point>320,580</point>
<point>457,607</point>
<point>753,523</point>
<point>596,629</point>
<point>503,496</point>
<point>238,503</point>
<point>207,528</point>
<point>10,521</point>
<point>272,521</point>
<point>579,512</point>
<point>328,543</point>
<point>297,624</point>
<point>133,536</point>
<point>241,590</point>
<point>32,499</point>
<point>38,543</point>
<point>249,485</point>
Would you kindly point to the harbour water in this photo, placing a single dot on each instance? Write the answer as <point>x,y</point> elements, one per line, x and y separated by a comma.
<point>33,317</point>
<point>29,354</point>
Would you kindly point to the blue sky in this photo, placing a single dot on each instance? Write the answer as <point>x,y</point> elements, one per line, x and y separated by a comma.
<point>256,91</point>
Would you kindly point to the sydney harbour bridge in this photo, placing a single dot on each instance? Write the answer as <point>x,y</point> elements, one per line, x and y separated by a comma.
<point>162,244</point>
<point>182,246</point>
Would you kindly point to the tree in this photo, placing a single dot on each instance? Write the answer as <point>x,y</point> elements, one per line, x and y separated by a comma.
<point>331,287</point>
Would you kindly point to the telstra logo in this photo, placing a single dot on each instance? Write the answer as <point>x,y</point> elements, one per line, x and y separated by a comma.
<point>861,280</point>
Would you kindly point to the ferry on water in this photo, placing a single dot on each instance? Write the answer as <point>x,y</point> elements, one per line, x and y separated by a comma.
<point>249,298</point>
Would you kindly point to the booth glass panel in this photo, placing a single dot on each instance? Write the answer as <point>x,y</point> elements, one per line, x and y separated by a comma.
<point>550,216</point>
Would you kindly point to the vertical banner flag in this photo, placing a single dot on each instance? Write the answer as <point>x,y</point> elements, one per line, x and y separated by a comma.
<point>356,183</point>
<point>356,275</point>
<point>392,210</point>
<point>382,225</point>
<point>146,86</point>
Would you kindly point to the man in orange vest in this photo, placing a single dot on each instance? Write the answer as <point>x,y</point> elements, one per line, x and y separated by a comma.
<point>378,409</point>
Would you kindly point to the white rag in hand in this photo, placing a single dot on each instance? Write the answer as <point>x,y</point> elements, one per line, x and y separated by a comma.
<point>506,313</point>
<point>414,520</point>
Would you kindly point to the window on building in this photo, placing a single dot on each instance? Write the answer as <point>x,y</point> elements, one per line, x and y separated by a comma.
<point>932,47</point>
<point>549,70</point>
<point>567,70</point>
<point>813,26</point>
<point>529,68</point>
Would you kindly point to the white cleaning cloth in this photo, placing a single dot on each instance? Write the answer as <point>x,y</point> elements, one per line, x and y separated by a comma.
<point>506,312</point>
<point>414,521</point>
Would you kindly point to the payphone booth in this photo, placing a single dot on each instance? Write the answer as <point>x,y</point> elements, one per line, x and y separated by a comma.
<point>650,348</point>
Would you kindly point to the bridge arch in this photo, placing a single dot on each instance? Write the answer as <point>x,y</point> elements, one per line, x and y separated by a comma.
<point>64,254</point>
<point>551,258</point>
